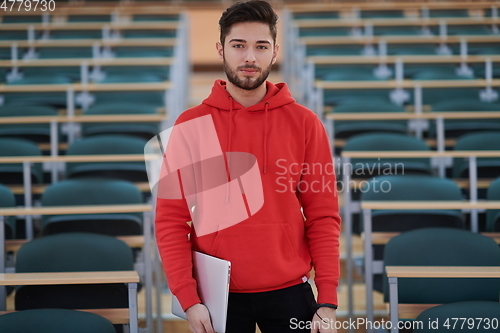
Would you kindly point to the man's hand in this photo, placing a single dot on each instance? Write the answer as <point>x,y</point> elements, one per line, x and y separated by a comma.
<point>327,325</point>
<point>199,319</point>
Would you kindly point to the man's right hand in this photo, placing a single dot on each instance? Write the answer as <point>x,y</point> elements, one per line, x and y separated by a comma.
<point>199,319</point>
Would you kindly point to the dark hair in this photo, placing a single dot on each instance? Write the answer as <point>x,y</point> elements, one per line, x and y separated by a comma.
<point>249,11</point>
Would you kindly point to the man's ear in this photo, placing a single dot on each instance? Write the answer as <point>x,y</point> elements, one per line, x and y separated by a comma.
<point>220,50</point>
<point>275,53</point>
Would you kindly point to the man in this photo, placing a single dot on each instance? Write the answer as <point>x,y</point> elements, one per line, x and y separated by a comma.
<point>276,160</point>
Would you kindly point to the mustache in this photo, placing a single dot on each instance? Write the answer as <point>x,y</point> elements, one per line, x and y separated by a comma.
<point>250,67</point>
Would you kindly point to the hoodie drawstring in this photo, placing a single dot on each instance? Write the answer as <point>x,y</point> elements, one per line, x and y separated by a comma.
<point>266,108</point>
<point>229,137</point>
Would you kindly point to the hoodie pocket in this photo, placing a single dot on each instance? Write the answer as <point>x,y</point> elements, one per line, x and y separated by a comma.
<point>262,256</point>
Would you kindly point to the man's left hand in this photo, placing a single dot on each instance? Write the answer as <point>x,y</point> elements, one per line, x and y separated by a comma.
<point>327,325</point>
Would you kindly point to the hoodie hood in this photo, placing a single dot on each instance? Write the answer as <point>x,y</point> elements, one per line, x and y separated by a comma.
<point>277,95</point>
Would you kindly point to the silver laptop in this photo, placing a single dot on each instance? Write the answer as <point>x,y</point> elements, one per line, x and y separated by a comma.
<point>212,275</point>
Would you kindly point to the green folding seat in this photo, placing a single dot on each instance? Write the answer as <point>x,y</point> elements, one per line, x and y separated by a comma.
<point>316,15</point>
<point>448,13</point>
<point>91,192</point>
<point>160,73</point>
<point>456,128</point>
<point>340,96</point>
<point>486,167</point>
<point>493,215</point>
<point>397,31</point>
<point>89,18</point>
<point>366,14</point>
<point>155,17</point>
<point>325,31</point>
<point>55,321</point>
<point>349,73</point>
<point>54,99</point>
<point>411,49</point>
<point>447,72</point>
<point>348,128</point>
<point>12,173</point>
<point>108,145</point>
<point>8,200</point>
<point>34,132</point>
<point>65,52</point>
<point>146,98</point>
<point>13,35</point>
<point>468,30</point>
<point>5,54</point>
<point>22,18</point>
<point>476,316</point>
<point>76,34</point>
<point>431,96</point>
<point>442,247</point>
<point>141,129</point>
<point>73,252</point>
<point>483,49</point>
<point>145,51</point>
<point>370,167</point>
<point>165,33</point>
<point>333,50</point>
<point>410,188</point>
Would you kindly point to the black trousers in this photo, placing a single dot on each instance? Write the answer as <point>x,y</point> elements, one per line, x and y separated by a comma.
<point>277,311</point>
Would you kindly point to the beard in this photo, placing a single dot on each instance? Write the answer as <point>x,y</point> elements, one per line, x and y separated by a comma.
<point>247,83</point>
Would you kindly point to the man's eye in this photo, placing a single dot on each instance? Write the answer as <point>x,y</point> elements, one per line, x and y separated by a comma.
<point>262,47</point>
<point>238,46</point>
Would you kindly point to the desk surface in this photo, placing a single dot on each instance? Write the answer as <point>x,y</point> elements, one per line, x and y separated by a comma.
<point>418,205</point>
<point>420,153</point>
<point>63,210</point>
<point>443,271</point>
<point>81,158</point>
<point>15,279</point>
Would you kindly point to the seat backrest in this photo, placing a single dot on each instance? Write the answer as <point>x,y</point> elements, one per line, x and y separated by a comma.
<point>108,144</point>
<point>493,215</point>
<point>487,167</point>
<point>12,173</point>
<point>92,191</point>
<point>387,142</point>
<point>74,252</point>
<point>8,200</point>
<point>475,316</point>
<point>443,247</point>
<point>55,321</point>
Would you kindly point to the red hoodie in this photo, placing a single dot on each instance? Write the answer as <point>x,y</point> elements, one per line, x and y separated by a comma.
<point>277,245</point>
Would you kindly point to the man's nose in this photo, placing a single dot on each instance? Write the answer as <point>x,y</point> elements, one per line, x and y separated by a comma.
<point>250,56</point>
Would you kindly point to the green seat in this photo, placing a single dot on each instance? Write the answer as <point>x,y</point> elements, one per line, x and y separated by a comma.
<point>410,188</point>
<point>442,247</point>
<point>55,321</point>
<point>73,252</point>
<point>106,145</point>
<point>483,49</point>
<point>345,129</point>
<point>5,54</point>
<point>468,30</point>
<point>370,167</point>
<point>131,78</point>
<point>341,96</point>
<point>456,128</point>
<point>154,98</point>
<point>12,173</point>
<point>141,129</point>
<point>411,49</point>
<point>382,14</point>
<point>442,315</point>
<point>54,99</point>
<point>8,200</point>
<point>132,52</point>
<point>324,31</point>
<point>438,73</point>
<point>92,191</point>
<point>348,73</point>
<point>22,18</point>
<point>89,18</point>
<point>13,35</point>
<point>448,13</point>
<point>76,34</point>
<point>333,50</point>
<point>316,15</point>
<point>157,72</point>
<point>65,52</point>
<point>33,132</point>
<point>486,167</point>
<point>437,95</point>
<point>397,31</point>
<point>155,17</point>
<point>493,215</point>
<point>42,79</point>
<point>165,33</point>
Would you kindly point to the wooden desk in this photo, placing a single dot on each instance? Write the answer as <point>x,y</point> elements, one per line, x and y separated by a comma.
<point>362,116</point>
<point>125,118</point>
<point>143,86</point>
<point>393,22</point>
<point>117,316</point>
<point>393,84</point>
<point>351,40</point>
<point>395,272</point>
<point>90,42</point>
<point>153,61</point>
<point>406,59</point>
<point>158,25</point>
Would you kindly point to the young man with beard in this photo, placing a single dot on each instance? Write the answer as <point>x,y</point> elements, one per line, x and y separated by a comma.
<point>291,222</point>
